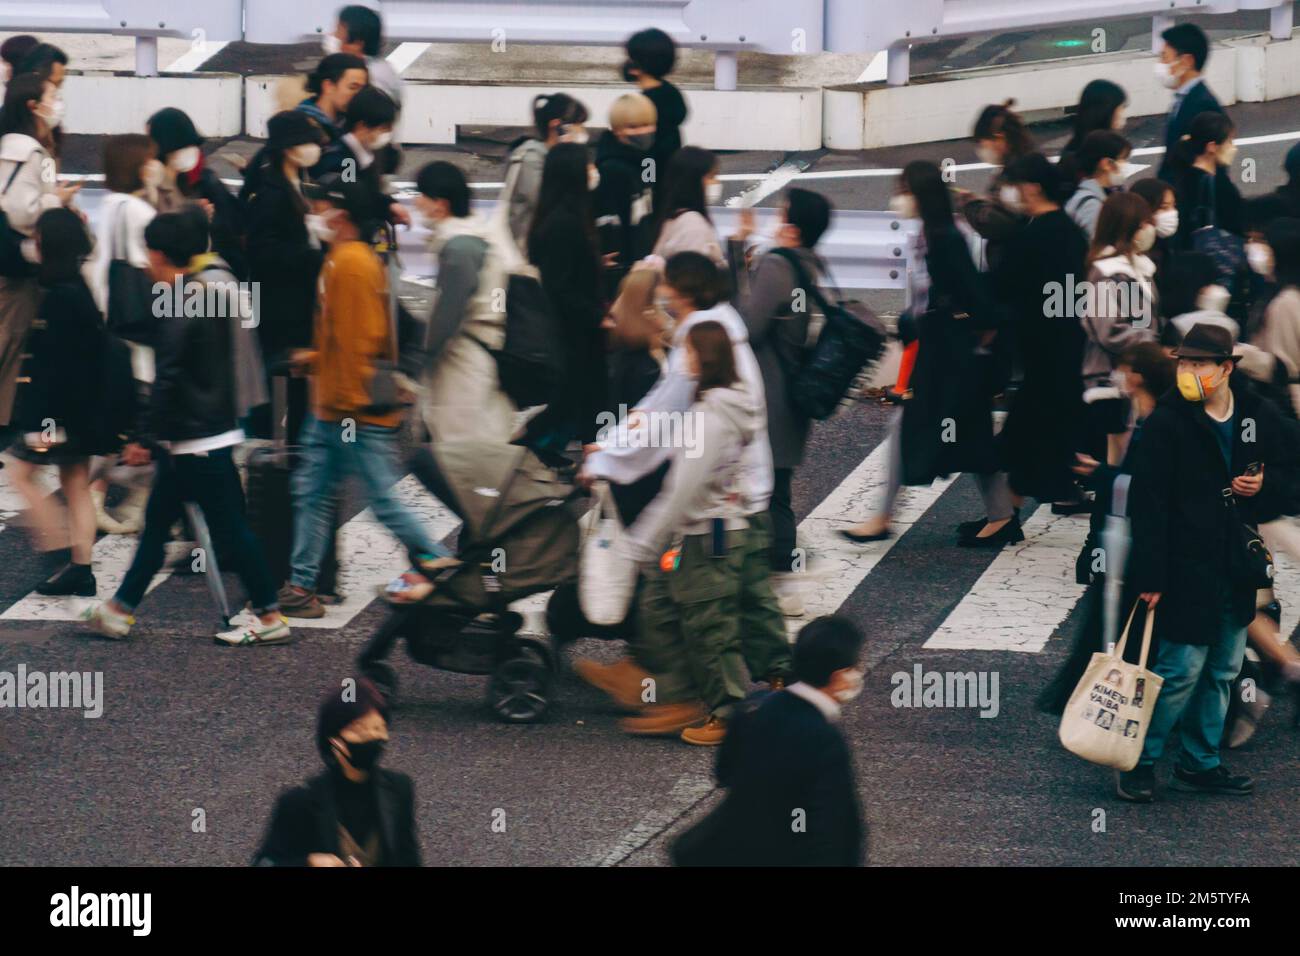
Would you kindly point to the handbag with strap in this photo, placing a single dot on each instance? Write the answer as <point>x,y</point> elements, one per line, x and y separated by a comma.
<point>13,264</point>
<point>606,580</point>
<point>1227,249</point>
<point>130,292</point>
<point>849,338</point>
<point>1249,560</point>
<point>1106,719</point>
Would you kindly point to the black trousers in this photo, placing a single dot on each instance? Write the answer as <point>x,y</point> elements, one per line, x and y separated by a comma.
<point>783,526</point>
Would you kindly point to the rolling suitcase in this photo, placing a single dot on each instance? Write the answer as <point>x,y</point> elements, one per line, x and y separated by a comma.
<point>270,499</point>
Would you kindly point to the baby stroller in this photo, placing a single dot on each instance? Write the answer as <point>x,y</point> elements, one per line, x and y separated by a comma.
<point>519,537</point>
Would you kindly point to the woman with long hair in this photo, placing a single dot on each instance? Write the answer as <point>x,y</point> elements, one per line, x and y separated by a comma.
<point>684,223</point>
<point>33,109</point>
<point>57,400</point>
<point>557,118</point>
<point>1118,312</point>
<point>1102,106</point>
<point>955,323</point>
<point>1001,138</point>
<point>562,245</point>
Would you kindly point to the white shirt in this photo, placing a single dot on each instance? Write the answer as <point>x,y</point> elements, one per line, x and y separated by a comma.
<point>828,705</point>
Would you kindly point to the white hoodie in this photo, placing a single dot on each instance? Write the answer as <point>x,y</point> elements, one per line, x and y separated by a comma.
<point>119,231</point>
<point>674,392</point>
<point>704,482</point>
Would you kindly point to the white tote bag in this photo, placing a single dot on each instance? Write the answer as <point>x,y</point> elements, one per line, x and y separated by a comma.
<point>606,579</point>
<point>1107,717</point>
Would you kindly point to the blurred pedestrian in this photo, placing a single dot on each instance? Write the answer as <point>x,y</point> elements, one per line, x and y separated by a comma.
<point>651,56</point>
<point>56,404</point>
<point>462,398</point>
<point>683,209</point>
<point>557,118</point>
<point>359,31</point>
<point>191,430</point>
<point>331,85</point>
<point>28,161</point>
<point>791,793</point>
<point>625,197</point>
<point>1100,160</point>
<point>1102,105</point>
<point>1183,53</point>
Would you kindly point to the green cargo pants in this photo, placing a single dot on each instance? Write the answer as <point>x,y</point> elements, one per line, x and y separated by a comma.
<point>763,639</point>
<point>690,621</point>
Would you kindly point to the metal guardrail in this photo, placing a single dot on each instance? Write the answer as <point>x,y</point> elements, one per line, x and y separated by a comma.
<point>867,26</point>
<point>864,249</point>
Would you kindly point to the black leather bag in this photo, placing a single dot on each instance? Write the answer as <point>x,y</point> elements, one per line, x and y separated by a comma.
<point>130,292</point>
<point>13,265</point>
<point>1251,562</point>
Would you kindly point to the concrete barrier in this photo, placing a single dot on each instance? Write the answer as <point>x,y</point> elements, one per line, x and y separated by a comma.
<point>106,103</point>
<point>755,118</point>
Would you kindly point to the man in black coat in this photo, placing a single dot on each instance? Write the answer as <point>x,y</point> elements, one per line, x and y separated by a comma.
<point>1181,61</point>
<point>1214,457</point>
<point>791,796</point>
<point>356,813</point>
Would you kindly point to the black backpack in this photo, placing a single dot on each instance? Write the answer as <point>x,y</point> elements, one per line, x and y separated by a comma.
<point>530,365</point>
<point>851,338</point>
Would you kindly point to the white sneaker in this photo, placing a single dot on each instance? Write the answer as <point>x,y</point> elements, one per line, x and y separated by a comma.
<point>789,594</point>
<point>108,622</point>
<point>247,634</point>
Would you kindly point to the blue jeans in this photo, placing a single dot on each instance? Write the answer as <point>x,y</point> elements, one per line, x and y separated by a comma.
<point>1198,681</point>
<point>327,458</point>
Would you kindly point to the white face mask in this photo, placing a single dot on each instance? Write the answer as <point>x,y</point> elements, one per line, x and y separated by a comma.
<point>854,688</point>
<point>53,111</point>
<point>903,205</point>
<point>987,154</point>
<point>29,251</point>
<point>151,174</point>
<point>1213,298</point>
<point>593,179</point>
<point>331,44</point>
<point>1117,118</point>
<point>1260,257</point>
<point>574,134</point>
<point>1166,223</point>
<point>320,226</point>
<point>1145,237</point>
<point>380,141</point>
<point>183,160</point>
<point>1165,75</point>
<point>712,193</point>
<point>1010,196</point>
<point>1227,153</point>
<point>1120,381</point>
<point>304,155</point>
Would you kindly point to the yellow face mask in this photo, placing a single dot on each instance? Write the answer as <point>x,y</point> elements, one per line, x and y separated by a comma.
<point>1197,388</point>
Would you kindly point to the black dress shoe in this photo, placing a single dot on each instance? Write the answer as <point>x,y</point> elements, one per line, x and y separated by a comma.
<point>1009,533</point>
<point>864,538</point>
<point>968,528</point>
<point>1071,507</point>
<point>75,579</point>
<point>1217,781</point>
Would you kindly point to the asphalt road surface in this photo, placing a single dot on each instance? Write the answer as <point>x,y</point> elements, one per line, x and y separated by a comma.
<point>188,725</point>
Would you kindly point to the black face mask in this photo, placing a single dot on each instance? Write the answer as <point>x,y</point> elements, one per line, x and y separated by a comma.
<point>641,141</point>
<point>628,75</point>
<point>365,755</point>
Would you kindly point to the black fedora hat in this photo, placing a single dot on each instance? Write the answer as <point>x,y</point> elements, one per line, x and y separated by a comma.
<point>1206,341</point>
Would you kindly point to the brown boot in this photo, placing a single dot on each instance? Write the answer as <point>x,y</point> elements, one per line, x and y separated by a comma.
<point>663,719</point>
<point>709,735</point>
<point>621,680</point>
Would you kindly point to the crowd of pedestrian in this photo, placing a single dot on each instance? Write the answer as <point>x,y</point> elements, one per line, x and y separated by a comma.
<point>1068,333</point>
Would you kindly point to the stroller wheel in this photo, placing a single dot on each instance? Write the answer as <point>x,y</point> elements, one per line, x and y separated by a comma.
<point>519,688</point>
<point>384,677</point>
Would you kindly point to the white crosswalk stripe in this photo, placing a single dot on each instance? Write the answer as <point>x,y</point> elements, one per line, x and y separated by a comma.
<point>1024,595</point>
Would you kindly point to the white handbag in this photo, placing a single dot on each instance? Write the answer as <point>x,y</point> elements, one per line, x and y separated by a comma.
<point>1107,717</point>
<point>606,578</point>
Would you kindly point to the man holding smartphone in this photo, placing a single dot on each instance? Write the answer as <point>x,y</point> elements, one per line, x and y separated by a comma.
<point>1212,453</point>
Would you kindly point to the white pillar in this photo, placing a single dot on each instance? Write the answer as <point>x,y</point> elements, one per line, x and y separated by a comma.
<point>1280,21</point>
<point>146,56</point>
<point>1159,24</point>
<point>898,63</point>
<point>725,69</point>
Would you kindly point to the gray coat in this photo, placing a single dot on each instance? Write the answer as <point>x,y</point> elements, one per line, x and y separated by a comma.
<point>765,299</point>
